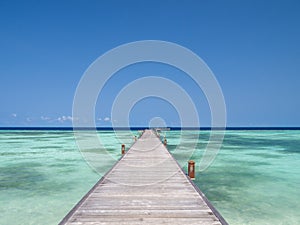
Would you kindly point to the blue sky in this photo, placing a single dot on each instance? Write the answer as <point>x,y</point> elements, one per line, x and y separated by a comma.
<point>253,48</point>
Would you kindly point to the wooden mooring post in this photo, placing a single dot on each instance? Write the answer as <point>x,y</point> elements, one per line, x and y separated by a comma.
<point>191,169</point>
<point>123,149</point>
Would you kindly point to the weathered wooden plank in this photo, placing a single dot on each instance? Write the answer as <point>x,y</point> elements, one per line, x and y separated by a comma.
<point>150,221</point>
<point>147,186</point>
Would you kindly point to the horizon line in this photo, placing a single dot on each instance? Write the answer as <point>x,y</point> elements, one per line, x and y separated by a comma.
<point>145,127</point>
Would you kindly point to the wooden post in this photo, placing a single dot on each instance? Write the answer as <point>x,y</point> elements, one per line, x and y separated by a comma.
<point>123,149</point>
<point>191,169</point>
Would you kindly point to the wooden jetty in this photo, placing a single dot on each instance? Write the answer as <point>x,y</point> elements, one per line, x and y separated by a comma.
<point>147,186</point>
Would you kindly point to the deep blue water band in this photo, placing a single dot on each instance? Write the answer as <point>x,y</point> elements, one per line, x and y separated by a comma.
<point>142,128</point>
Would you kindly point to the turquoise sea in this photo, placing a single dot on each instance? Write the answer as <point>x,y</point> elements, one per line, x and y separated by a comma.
<point>255,178</point>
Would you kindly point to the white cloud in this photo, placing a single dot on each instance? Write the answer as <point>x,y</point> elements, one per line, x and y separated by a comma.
<point>99,119</point>
<point>28,119</point>
<point>45,118</point>
<point>106,119</point>
<point>14,115</point>
<point>64,118</point>
<point>67,118</point>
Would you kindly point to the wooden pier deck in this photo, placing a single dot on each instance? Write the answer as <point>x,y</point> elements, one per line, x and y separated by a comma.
<point>147,186</point>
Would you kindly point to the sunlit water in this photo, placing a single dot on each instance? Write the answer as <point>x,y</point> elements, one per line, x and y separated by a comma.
<point>255,178</point>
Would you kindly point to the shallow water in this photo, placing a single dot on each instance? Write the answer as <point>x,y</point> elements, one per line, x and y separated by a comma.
<point>254,179</point>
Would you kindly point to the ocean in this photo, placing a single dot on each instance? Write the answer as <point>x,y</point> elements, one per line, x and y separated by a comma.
<point>254,179</point>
